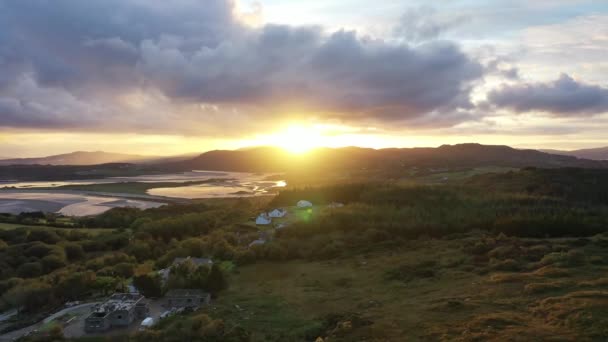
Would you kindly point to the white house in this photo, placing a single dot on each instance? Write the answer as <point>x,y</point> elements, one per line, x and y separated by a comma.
<point>304,204</point>
<point>263,220</point>
<point>277,213</point>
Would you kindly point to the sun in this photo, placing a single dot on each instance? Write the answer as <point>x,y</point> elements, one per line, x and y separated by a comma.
<point>298,139</point>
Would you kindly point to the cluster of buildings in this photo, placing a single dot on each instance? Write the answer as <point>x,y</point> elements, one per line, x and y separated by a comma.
<point>265,219</point>
<point>122,310</point>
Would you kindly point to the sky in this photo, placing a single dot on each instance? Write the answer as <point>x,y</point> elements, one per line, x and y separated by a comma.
<point>162,77</point>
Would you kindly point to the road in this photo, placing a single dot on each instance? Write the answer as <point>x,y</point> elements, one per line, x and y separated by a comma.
<point>77,310</point>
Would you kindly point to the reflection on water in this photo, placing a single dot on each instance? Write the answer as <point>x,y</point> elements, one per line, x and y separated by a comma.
<point>170,177</point>
<point>67,204</point>
<point>224,189</point>
<point>222,184</point>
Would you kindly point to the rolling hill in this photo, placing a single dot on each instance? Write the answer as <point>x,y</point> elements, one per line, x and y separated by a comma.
<point>269,159</point>
<point>81,158</point>
<point>600,153</point>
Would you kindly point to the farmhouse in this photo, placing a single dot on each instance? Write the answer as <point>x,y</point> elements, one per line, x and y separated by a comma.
<point>186,298</point>
<point>304,204</point>
<point>263,220</point>
<point>120,310</point>
<point>276,213</point>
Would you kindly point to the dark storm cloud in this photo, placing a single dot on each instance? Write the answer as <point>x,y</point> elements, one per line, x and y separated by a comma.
<point>340,73</point>
<point>198,52</point>
<point>563,97</point>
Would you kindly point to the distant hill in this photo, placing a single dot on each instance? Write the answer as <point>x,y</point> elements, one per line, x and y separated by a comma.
<point>600,153</point>
<point>269,159</point>
<point>83,158</point>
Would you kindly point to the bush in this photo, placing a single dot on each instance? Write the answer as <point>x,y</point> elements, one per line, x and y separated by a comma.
<point>535,288</point>
<point>30,270</point>
<point>73,251</point>
<point>505,265</point>
<point>52,262</point>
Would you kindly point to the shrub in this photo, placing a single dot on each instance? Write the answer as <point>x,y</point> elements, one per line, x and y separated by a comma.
<point>535,288</point>
<point>30,270</point>
<point>570,259</point>
<point>73,251</point>
<point>505,265</point>
<point>52,262</point>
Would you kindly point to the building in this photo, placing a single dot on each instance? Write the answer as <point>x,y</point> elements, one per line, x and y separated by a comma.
<point>120,310</point>
<point>263,220</point>
<point>186,298</point>
<point>304,204</point>
<point>276,213</point>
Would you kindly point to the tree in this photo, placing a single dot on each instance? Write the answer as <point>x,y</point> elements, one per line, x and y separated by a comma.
<point>216,281</point>
<point>73,251</point>
<point>105,284</point>
<point>52,262</point>
<point>76,285</point>
<point>30,270</point>
<point>149,284</point>
<point>46,236</point>
<point>38,250</point>
<point>124,270</point>
<point>31,296</point>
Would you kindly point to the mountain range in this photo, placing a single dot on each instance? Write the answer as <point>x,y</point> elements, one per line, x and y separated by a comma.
<point>272,159</point>
<point>92,158</point>
<point>268,159</point>
<point>600,153</point>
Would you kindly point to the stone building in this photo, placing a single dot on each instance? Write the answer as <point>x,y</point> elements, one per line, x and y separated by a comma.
<point>120,310</point>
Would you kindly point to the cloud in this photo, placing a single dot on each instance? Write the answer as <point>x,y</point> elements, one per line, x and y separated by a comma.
<point>563,97</point>
<point>425,23</point>
<point>80,59</point>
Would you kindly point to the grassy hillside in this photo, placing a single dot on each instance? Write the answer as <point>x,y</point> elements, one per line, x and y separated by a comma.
<point>476,287</point>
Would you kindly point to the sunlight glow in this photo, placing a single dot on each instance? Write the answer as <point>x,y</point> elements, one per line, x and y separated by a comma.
<point>298,139</point>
